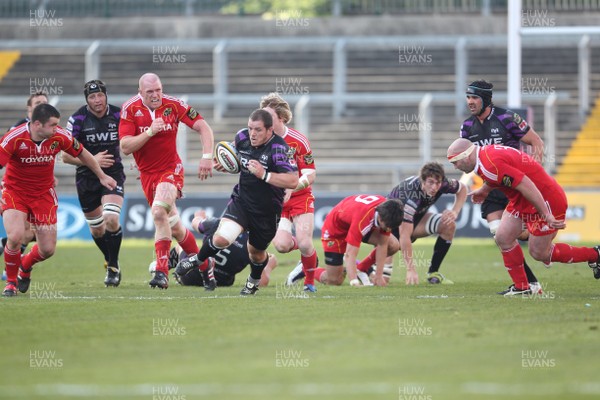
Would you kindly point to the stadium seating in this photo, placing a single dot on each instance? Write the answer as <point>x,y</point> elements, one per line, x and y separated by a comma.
<point>365,133</point>
<point>581,166</point>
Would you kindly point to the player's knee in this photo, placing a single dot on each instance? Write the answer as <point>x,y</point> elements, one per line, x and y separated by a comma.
<point>447,231</point>
<point>159,214</point>
<point>539,254</point>
<point>281,246</point>
<point>448,227</point>
<point>46,251</point>
<point>13,242</point>
<point>97,232</point>
<point>112,222</point>
<point>220,242</point>
<point>305,245</point>
<point>335,279</point>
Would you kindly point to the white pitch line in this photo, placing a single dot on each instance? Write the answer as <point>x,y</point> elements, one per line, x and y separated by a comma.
<point>303,389</point>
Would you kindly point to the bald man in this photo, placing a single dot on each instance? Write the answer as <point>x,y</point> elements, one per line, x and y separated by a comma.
<point>148,130</point>
<point>535,200</point>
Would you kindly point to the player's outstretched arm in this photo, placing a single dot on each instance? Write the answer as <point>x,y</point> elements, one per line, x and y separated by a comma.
<point>406,230</point>
<point>208,141</point>
<point>350,264</point>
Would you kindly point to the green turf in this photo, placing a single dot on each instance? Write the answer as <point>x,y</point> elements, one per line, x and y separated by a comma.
<point>73,338</point>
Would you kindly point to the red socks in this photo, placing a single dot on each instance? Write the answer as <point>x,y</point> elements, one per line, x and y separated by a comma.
<point>318,273</point>
<point>367,262</point>
<point>162,248</point>
<point>565,253</point>
<point>29,259</point>
<point>309,265</point>
<point>12,259</point>
<point>513,261</point>
<point>188,244</point>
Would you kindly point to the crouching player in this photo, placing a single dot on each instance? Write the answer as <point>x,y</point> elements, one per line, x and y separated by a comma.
<point>358,219</point>
<point>227,263</point>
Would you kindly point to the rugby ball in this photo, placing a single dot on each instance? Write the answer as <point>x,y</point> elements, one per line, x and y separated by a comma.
<point>152,267</point>
<point>227,157</point>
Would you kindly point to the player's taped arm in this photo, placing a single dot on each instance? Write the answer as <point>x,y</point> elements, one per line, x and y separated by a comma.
<point>306,179</point>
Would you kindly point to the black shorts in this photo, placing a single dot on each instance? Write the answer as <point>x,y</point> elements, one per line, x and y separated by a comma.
<point>194,278</point>
<point>495,201</point>
<point>261,228</point>
<point>90,190</point>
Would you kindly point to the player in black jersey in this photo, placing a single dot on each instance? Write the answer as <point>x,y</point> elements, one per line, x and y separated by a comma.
<point>95,125</point>
<point>228,262</point>
<point>487,125</point>
<point>267,169</point>
<point>418,194</point>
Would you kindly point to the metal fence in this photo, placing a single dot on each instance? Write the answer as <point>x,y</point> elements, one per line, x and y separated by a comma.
<point>127,8</point>
<point>339,98</point>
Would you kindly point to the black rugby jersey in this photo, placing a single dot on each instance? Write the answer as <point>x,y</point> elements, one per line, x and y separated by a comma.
<point>502,126</point>
<point>96,135</point>
<point>416,202</point>
<point>257,196</point>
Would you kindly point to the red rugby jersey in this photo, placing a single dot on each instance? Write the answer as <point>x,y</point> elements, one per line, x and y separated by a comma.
<point>30,165</point>
<point>303,156</point>
<point>353,218</point>
<point>160,152</point>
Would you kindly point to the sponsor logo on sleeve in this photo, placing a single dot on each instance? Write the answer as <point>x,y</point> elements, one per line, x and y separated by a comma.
<point>523,125</point>
<point>507,181</point>
<point>192,114</point>
<point>76,144</point>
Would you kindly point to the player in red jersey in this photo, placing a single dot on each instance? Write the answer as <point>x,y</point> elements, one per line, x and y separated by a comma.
<point>33,101</point>
<point>148,129</point>
<point>358,219</point>
<point>29,153</point>
<point>299,207</point>
<point>535,199</point>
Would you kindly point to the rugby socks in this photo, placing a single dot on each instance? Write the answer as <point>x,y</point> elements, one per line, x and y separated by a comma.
<point>530,275</point>
<point>367,262</point>
<point>440,249</point>
<point>113,245</point>
<point>513,261</point>
<point>256,270</point>
<point>12,260</point>
<point>318,273</point>
<point>188,244</point>
<point>102,245</point>
<point>162,247</point>
<point>309,265</point>
<point>28,260</point>
<point>565,253</point>
<point>208,249</point>
<point>23,246</point>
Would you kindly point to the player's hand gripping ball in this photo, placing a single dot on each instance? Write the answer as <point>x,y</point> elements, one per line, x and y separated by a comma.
<point>227,157</point>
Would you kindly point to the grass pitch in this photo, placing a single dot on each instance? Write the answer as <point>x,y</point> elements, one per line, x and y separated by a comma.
<point>72,338</point>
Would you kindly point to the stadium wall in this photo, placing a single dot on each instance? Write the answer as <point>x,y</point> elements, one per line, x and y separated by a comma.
<point>224,27</point>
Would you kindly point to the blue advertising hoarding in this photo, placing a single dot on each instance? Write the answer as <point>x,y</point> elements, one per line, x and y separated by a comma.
<point>136,217</point>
